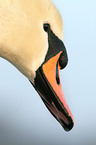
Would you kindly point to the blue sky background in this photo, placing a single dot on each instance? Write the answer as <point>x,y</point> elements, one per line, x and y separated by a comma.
<point>23,117</point>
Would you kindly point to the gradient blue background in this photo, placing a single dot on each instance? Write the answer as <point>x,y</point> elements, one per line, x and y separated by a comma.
<point>23,117</point>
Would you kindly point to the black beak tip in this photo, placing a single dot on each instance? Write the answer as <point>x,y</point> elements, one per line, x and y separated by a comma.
<point>67,127</point>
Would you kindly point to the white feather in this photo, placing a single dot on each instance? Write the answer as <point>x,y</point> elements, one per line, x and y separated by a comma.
<point>23,42</point>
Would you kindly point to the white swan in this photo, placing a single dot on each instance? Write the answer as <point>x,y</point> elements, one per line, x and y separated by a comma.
<point>31,34</point>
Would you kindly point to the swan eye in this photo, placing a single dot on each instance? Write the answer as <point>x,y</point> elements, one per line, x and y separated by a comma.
<point>46,27</point>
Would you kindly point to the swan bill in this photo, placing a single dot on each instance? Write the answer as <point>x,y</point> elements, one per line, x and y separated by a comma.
<point>48,85</point>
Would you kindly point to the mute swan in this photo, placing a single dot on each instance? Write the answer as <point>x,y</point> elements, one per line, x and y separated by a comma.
<point>31,38</point>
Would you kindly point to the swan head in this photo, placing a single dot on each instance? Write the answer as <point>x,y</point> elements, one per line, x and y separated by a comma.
<point>32,40</point>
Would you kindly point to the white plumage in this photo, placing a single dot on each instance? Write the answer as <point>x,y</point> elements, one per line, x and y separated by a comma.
<point>23,41</point>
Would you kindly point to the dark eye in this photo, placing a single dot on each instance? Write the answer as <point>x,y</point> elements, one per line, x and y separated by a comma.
<point>46,27</point>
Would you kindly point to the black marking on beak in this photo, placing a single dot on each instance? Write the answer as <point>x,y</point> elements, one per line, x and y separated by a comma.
<point>55,46</point>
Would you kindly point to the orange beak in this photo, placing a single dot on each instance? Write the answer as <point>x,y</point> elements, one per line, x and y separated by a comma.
<point>48,85</point>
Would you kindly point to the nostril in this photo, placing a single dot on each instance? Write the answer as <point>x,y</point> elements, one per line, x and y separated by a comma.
<point>57,74</point>
<point>58,80</point>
